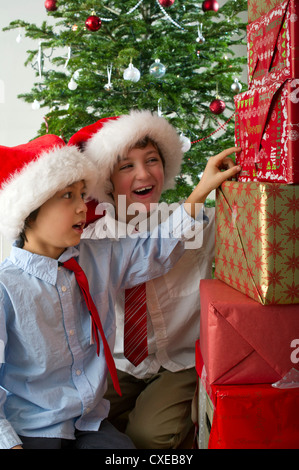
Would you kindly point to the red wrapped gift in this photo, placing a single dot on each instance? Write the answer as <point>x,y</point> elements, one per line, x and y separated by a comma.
<point>255,416</point>
<point>257,8</point>
<point>242,341</point>
<point>273,43</point>
<point>267,129</point>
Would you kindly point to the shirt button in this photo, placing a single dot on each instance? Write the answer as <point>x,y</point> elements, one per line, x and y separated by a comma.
<point>78,372</point>
<point>63,288</point>
<point>72,332</point>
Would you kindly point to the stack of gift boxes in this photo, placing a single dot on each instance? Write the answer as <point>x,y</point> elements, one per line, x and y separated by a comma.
<point>248,352</point>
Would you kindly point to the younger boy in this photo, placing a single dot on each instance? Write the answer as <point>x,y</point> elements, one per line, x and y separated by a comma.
<point>55,339</point>
<point>138,156</point>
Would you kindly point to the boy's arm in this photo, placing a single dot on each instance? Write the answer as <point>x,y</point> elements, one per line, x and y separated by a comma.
<point>152,254</point>
<point>212,177</point>
<point>8,437</point>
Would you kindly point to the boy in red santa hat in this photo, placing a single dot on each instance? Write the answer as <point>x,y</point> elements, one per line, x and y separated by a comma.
<point>138,156</point>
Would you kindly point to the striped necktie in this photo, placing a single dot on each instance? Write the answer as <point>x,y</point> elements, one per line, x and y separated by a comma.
<point>82,281</point>
<point>135,329</point>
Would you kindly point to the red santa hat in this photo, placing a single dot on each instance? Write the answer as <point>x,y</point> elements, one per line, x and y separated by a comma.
<point>32,173</point>
<point>109,139</point>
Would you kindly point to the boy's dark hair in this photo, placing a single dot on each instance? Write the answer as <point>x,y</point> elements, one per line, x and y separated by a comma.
<point>31,218</point>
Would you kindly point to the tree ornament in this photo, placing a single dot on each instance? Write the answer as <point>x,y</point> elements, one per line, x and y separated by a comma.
<point>72,85</point>
<point>50,5</point>
<point>93,22</point>
<point>19,38</point>
<point>166,3</point>
<point>217,106</point>
<point>200,39</point>
<point>35,105</point>
<point>210,5</point>
<point>159,111</point>
<point>76,74</point>
<point>186,143</point>
<point>157,69</point>
<point>109,86</point>
<point>236,86</point>
<point>131,73</point>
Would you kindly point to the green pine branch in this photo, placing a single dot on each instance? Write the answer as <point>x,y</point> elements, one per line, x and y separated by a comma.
<point>193,71</point>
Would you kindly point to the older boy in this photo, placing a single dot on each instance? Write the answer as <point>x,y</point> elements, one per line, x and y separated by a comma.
<point>138,156</point>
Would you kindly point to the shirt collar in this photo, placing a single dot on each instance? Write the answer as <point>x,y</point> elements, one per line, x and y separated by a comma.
<point>42,267</point>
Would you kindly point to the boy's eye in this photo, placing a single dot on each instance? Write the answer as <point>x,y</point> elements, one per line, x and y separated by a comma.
<point>124,167</point>
<point>67,195</point>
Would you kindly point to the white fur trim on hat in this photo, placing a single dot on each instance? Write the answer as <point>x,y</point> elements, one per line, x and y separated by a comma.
<point>26,190</point>
<point>116,137</point>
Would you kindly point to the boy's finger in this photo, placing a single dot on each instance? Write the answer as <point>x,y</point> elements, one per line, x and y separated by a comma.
<point>225,153</point>
<point>230,172</point>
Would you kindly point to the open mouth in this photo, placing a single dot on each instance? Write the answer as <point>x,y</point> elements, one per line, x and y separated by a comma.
<point>79,227</point>
<point>143,191</point>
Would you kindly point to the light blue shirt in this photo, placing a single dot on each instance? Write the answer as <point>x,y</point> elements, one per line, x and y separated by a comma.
<point>51,379</point>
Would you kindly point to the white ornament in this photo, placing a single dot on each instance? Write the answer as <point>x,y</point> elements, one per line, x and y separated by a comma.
<point>131,73</point>
<point>35,105</point>
<point>186,143</point>
<point>200,39</point>
<point>160,107</point>
<point>109,86</point>
<point>76,74</point>
<point>72,85</point>
<point>69,54</point>
<point>19,38</point>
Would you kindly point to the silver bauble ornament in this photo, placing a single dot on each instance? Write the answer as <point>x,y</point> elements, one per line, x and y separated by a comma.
<point>108,87</point>
<point>200,39</point>
<point>236,86</point>
<point>157,69</point>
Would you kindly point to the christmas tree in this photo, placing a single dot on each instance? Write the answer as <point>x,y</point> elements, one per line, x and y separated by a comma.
<point>95,59</point>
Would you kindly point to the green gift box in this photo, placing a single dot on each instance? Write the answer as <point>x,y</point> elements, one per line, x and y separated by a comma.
<point>257,240</point>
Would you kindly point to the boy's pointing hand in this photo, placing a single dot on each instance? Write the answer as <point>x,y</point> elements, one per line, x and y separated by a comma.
<point>218,169</point>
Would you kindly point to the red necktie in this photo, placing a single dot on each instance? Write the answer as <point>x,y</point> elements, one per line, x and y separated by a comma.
<point>135,329</point>
<point>81,278</point>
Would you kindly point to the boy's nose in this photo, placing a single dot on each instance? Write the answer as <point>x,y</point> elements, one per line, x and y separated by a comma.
<point>82,207</point>
<point>142,171</point>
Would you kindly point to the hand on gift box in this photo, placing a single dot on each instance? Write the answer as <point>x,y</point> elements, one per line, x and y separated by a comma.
<point>218,169</point>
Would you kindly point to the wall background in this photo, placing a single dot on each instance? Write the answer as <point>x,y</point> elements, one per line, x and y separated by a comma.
<point>18,121</point>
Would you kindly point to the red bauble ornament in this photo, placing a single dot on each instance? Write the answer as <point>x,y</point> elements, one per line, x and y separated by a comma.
<point>50,5</point>
<point>210,5</point>
<point>217,106</point>
<point>93,23</point>
<point>166,3</point>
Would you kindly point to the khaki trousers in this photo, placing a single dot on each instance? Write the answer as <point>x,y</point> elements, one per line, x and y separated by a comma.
<point>155,412</point>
